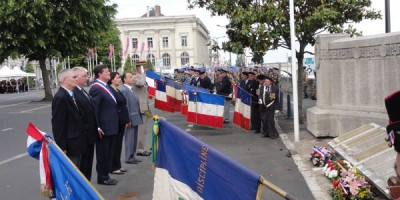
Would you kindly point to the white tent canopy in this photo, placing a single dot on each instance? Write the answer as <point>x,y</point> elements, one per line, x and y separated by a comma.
<point>6,72</point>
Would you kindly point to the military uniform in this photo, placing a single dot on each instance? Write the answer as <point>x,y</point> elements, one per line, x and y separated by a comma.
<point>206,83</point>
<point>268,99</point>
<point>225,89</point>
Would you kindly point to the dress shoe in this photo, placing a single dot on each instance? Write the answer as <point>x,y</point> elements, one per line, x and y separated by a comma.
<point>144,153</point>
<point>272,137</point>
<point>257,131</point>
<point>226,121</point>
<point>108,182</point>
<point>123,170</point>
<point>132,162</point>
<point>265,136</point>
<point>118,172</point>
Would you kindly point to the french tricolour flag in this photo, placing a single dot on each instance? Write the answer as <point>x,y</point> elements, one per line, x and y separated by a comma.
<point>241,116</point>
<point>185,95</point>
<point>161,101</point>
<point>150,79</point>
<point>60,177</point>
<point>206,109</point>
<point>178,96</point>
<point>187,168</point>
<point>171,92</point>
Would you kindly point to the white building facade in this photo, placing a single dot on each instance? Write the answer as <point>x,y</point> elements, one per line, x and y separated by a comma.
<point>167,41</point>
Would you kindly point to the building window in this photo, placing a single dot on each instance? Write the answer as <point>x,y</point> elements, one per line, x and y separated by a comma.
<point>134,43</point>
<point>149,42</point>
<point>184,58</point>
<point>184,41</point>
<point>135,58</point>
<point>152,59</point>
<point>165,42</point>
<point>166,60</point>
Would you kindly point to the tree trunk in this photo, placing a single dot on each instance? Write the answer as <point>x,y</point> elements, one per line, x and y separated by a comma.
<point>48,95</point>
<point>300,83</point>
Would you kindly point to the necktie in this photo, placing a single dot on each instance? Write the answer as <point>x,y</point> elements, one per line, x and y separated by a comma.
<point>73,99</point>
<point>84,92</point>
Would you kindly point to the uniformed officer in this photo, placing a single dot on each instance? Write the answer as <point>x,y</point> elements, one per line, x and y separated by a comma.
<point>245,83</point>
<point>254,111</point>
<point>195,81</point>
<point>225,88</point>
<point>268,100</point>
<point>205,81</point>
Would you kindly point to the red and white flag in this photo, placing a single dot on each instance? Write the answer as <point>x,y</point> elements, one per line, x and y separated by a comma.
<point>241,116</point>
<point>127,46</point>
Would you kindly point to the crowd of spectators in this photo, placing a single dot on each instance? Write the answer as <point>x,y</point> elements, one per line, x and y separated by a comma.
<point>13,86</point>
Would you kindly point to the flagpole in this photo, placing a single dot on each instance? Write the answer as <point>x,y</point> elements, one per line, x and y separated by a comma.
<point>294,74</point>
<point>276,189</point>
<point>95,51</point>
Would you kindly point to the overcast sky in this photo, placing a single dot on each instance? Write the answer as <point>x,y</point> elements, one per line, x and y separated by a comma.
<point>136,8</point>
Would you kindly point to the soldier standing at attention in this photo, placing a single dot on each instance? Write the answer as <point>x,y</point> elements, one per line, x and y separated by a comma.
<point>268,101</point>
<point>225,89</point>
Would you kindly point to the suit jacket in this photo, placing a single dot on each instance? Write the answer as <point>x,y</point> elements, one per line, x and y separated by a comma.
<point>207,84</point>
<point>106,109</point>
<point>244,85</point>
<point>140,87</point>
<point>195,82</point>
<point>225,87</point>
<point>89,115</point>
<point>270,96</point>
<point>132,100</point>
<point>254,90</point>
<point>67,123</point>
<point>123,114</point>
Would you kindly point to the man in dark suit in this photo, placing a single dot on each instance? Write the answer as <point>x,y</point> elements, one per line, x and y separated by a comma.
<point>255,112</point>
<point>106,112</point>
<point>205,82</point>
<point>225,89</point>
<point>135,118</point>
<point>67,119</point>
<point>91,133</point>
<point>268,100</point>
<point>245,83</point>
<point>195,81</point>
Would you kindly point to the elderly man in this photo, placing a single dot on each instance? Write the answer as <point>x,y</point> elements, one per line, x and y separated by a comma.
<point>225,89</point>
<point>268,100</point>
<point>85,103</point>
<point>67,119</point>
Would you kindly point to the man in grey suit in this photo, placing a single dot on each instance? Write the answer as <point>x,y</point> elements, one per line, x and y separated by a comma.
<point>135,118</point>
<point>140,87</point>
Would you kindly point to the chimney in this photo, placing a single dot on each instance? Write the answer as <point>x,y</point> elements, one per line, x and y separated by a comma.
<point>158,10</point>
<point>148,11</point>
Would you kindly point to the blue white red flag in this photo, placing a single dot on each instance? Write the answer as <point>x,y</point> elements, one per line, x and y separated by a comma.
<point>111,47</point>
<point>185,95</point>
<point>178,96</point>
<point>241,116</point>
<point>142,49</point>
<point>171,92</point>
<point>127,46</point>
<point>161,101</point>
<point>187,168</point>
<point>206,109</point>
<point>150,79</point>
<point>66,182</point>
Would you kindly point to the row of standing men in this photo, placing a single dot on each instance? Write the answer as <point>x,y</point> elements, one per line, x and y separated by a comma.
<point>264,96</point>
<point>112,112</point>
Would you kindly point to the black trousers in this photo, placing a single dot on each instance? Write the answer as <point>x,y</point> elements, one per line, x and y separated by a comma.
<point>255,117</point>
<point>116,162</point>
<point>104,155</point>
<point>271,129</point>
<point>87,161</point>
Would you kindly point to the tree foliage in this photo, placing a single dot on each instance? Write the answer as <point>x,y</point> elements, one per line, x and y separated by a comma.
<point>43,29</point>
<point>262,25</point>
<point>240,60</point>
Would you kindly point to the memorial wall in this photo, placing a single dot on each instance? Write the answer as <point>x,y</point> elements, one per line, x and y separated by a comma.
<point>354,75</point>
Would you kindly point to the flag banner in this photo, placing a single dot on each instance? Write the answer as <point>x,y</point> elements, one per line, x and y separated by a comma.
<point>150,79</point>
<point>234,92</point>
<point>178,96</point>
<point>170,90</point>
<point>92,52</point>
<point>67,181</point>
<point>111,52</point>
<point>142,49</point>
<point>185,96</point>
<point>241,116</point>
<point>161,97</point>
<point>127,46</point>
<point>206,109</point>
<point>136,47</point>
<point>187,168</point>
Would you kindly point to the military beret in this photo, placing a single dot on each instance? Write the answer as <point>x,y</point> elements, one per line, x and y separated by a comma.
<point>261,77</point>
<point>252,73</point>
<point>245,73</point>
<point>223,70</point>
<point>269,78</point>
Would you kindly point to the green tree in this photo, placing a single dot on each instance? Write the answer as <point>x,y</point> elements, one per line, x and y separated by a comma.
<point>46,28</point>
<point>149,65</point>
<point>240,60</point>
<point>29,68</point>
<point>264,25</point>
<point>128,66</point>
